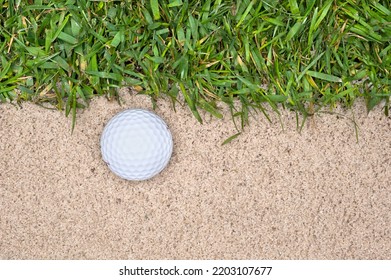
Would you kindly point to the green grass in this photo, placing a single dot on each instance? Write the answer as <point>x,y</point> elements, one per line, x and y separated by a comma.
<point>303,55</point>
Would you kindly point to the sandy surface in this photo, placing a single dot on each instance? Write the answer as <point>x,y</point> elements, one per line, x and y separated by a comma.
<point>270,194</point>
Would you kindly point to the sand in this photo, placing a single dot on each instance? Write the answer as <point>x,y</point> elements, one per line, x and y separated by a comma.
<point>272,193</point>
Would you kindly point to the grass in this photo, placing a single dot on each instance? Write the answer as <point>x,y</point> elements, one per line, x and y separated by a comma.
<point>304,55</point>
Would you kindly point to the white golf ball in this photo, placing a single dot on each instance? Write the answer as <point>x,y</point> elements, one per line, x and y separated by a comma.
<point>136,144</point>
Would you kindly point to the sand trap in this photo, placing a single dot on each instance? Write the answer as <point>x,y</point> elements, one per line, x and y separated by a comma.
<point>269,194</point>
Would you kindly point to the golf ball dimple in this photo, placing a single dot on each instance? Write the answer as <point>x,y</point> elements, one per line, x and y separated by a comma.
<point>136,144</point>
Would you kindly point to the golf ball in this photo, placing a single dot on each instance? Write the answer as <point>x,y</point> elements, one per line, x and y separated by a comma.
<point>136,144</point>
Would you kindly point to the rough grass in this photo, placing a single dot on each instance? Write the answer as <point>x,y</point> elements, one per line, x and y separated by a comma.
<point>304,55</point>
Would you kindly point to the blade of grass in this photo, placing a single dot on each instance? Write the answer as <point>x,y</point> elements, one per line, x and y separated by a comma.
<point>245,14</point>
<point>309,66</point>
<point>325,77</point>
<point>155,9</point>
<point>231,138</point>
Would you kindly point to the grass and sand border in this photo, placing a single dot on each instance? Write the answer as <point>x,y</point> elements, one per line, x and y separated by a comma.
<point>301,55</point>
